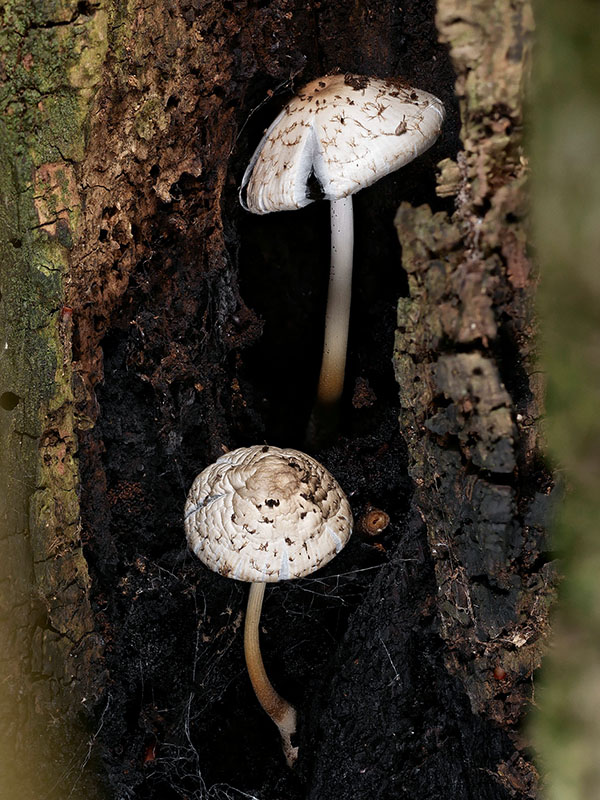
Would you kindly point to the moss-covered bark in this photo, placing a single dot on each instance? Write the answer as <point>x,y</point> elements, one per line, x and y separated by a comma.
<point>50,56</point>
<point>566,155</point>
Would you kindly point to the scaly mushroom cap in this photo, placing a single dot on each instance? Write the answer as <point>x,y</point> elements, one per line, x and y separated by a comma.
<point>347,131</point>
<point>266,514</point>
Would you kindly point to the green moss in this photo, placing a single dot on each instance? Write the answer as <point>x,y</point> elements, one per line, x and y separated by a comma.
<point>51,57</point>
<point>47,64</point>
<point>91,51</point>
<point>149,118</point>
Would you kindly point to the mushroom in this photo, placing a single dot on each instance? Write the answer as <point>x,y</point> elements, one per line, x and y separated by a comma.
<point>263,514</point>
<point>340,133</point>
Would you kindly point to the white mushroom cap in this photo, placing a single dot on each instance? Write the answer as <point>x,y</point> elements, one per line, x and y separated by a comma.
<point>264,513</point>
<point>346,130</point>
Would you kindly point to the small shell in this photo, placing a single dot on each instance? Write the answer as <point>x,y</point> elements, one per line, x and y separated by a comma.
<point>345,130</point>
<point>373,522</point>
<point>266,514</point>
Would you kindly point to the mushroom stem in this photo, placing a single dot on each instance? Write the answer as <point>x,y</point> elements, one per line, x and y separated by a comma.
<point>281,712</point>
<point>331,379</point>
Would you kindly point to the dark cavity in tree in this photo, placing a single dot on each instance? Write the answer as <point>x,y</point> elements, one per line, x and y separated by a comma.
<point>214,297</point>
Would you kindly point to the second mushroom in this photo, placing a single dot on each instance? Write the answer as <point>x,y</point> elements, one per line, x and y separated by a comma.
<point>340,133</point>
<point>263,514</point>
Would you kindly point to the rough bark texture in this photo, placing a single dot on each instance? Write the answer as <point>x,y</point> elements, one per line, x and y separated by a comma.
<point>182,326</point>
<point>470,392</point>
<point>469,385</point>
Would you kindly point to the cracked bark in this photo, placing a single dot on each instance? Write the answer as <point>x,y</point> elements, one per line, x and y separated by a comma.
<point>469,384</point>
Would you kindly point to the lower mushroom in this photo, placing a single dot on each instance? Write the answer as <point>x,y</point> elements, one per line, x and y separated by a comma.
<point>263,514</point>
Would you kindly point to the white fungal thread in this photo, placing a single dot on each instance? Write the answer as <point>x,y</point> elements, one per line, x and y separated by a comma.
<point>202,505</point>
<point>284,570</point>
<point>336,539</point>
<point>193,510</point>
<point>238,570</point>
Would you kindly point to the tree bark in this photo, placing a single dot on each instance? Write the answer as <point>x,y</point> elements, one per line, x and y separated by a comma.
<point>163,324</point>
<point>469,383</point>
<point>50,66</point>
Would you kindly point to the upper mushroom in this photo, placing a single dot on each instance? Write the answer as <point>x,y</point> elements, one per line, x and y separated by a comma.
<point>346,131</point>
<point>340,134</point>
<point>264,513</point>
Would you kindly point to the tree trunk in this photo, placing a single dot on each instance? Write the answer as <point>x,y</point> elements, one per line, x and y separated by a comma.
<point>150,323</point>
<point>50,67</point>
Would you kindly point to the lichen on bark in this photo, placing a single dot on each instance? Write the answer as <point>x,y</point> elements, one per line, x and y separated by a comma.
<point>50,57</point>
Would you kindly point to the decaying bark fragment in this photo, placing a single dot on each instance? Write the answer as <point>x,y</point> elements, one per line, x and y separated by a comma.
<point>465,365</point>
